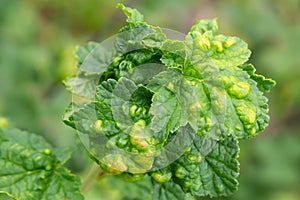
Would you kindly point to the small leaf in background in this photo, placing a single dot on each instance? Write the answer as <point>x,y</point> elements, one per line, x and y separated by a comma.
<point>32,169</point>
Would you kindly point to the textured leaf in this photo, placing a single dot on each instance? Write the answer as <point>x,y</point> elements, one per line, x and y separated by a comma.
<point>207,49</point>
<point>109,124</point>
<point>82,118</point>
<point>165,112</point>
<point>137,190</point>
<point>246,108</point>
<point>83,51</point>
<point>63,154</point>
<point>219,170</point>
<point>204,25</point>
<point>93,58</point>
<point>263,84</point>
<point>31,169</point>
<point>166,191</point>
<point>228,105</point>
<point>96,117</point>
<point>210,168</point>
<point>133,16</point>
<point>137,38</point>
<point>172,109</point>
<point>188,93</point>
<point>174,54</point>
<point>138,35</point>
<point>82,85</point>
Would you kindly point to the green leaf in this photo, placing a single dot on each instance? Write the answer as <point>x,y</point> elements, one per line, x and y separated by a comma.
<point>154,91</point>
<point>79,117</point>
<point>63,154</point>
<point>263,84</point>
<point>219,170</point>
<point>210,168</point>
<point>95,118</point>
<point>83,51</point>
<point>133,16</point>
<point>200,103</point>
<point>82,85</point>
<point>110,126</point>
<point>174,54</point>
<point>137,38</point>
<point>188,94</point>
<point>166,191</point>
<point>31,168</point>
<point>207,49</point>
<point>165,113</point>
<point>204,25</point>
<point>137,190</point>
<point>246,108</point>
<point>93,58</point>
<point>228,103</point>
<point>96,61</point>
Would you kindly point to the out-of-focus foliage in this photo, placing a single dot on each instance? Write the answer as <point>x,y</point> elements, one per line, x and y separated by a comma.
<point>32,169</point>
<point>37,40</point>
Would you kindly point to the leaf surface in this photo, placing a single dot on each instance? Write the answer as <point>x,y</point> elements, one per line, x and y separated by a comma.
<point>31,169</point>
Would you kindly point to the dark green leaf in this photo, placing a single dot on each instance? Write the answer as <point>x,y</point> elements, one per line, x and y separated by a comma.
<point>31,168</point>
<point>210,168</point>
<point>219,170</point>
<point>167,191</point>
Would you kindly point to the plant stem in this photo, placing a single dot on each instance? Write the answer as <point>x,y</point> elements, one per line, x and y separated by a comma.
<point>94,174</point>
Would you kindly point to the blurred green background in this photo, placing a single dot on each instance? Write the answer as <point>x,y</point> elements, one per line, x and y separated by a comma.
<point>38,39</point>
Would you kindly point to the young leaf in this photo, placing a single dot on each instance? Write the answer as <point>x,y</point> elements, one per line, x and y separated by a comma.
<point>31,168</point>
<point>207,48</point>
<point>133,16</point>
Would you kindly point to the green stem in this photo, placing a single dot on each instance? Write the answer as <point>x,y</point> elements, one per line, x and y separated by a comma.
<point>93,175</point>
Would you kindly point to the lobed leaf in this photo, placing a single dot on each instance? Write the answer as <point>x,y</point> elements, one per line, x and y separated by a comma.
<point>153,91</point>
<point>263,84</point>
<point>133,16</point>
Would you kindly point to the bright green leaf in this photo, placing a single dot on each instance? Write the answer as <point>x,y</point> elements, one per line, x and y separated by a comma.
<point>153,91</point>
<point>263,84</point>
<point>133,15</point>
